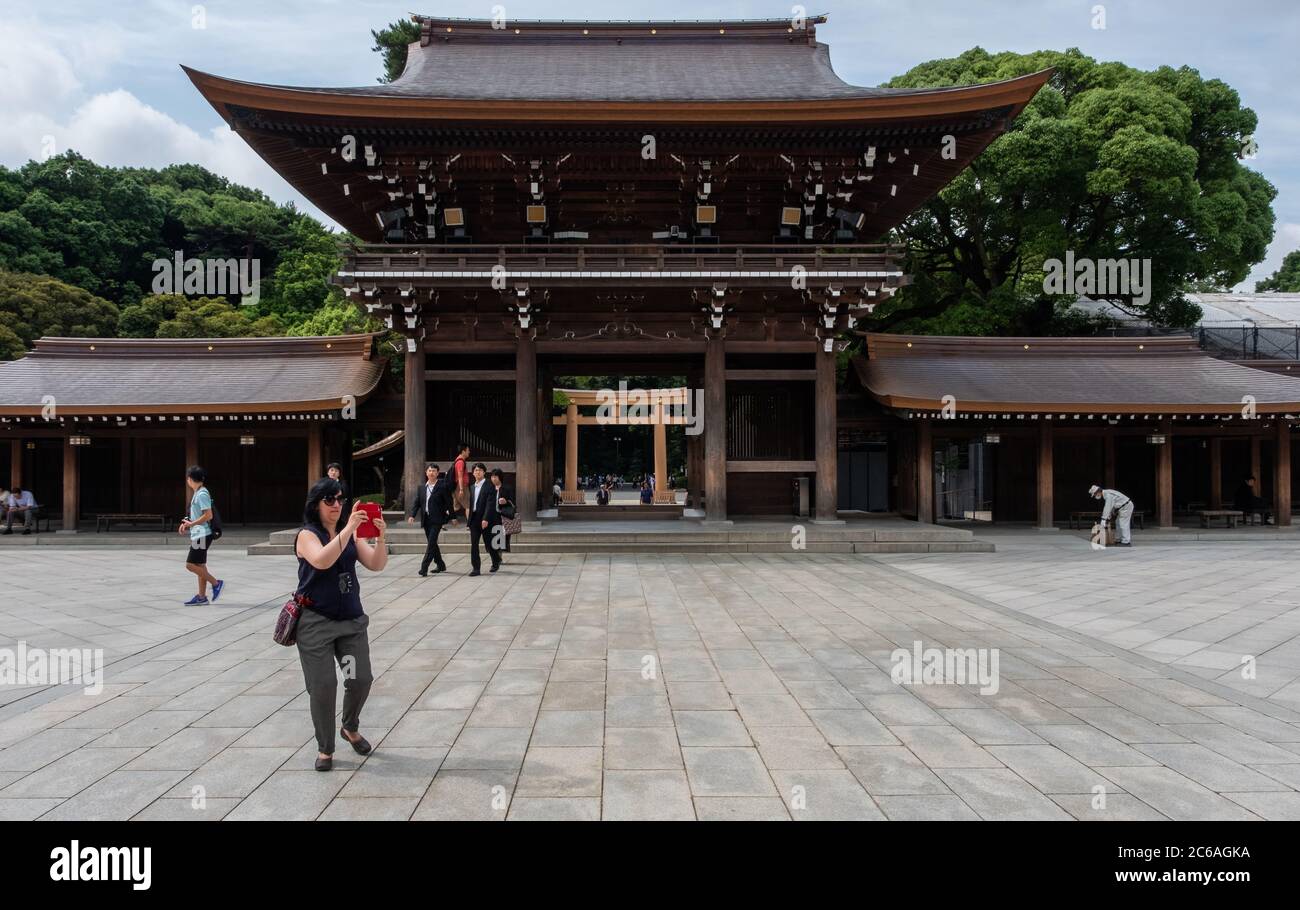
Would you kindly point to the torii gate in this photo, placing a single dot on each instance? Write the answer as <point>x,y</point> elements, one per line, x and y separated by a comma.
<point>636,407</point>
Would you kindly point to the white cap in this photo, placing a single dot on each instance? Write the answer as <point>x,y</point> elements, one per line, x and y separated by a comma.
<point>1094,490</point>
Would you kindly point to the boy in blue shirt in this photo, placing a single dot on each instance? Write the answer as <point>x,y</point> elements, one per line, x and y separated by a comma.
<point>199,527</point>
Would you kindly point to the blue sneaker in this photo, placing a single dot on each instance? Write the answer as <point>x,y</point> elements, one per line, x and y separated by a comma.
<point>216,589</point>
<point>196,601</point>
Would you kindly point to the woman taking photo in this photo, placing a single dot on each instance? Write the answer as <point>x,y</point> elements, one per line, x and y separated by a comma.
<point>332,627</point>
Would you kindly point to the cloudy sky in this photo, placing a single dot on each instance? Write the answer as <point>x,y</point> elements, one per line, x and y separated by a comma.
<point>103,78</point>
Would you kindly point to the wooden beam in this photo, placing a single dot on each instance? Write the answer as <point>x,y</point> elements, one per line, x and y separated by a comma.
<point>715,430</point>
<point>1165,477</point>
<point>1046,476</point>
<point>771,375</point>
<point>15,463</point>
<point>825,439</point>
<point>526,428</point>
<point>414,425</point>
<point>771,467</point>
<point>469,375</point>
<point>662,481</point>
<point>71,487</point>
<point>924,472</point>
<point>1282,473</point>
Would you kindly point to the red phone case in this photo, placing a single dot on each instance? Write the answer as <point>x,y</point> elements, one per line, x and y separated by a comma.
<point>367,530</point>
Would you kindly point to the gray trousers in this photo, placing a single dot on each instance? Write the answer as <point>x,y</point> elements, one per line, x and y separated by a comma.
<point>29,518</point>
<point>323,643</point>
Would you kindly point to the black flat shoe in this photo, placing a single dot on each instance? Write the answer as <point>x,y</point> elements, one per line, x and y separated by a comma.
<point>472,574</point>
<point>324,764</point>
<point>439,569</point>
<point>359,745</point>
<point>494,568</point>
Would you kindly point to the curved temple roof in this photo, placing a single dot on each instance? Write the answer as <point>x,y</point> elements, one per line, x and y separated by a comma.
<point>1133,375</point>
<point>653,63</point>
<point>227,376</point>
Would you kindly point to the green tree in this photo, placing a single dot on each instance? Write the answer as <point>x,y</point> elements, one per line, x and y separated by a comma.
<point>1107,161</point>
<point>391,43</point>
<point>337,317</point>
<point>1287,278</point>
<point>36,305</point>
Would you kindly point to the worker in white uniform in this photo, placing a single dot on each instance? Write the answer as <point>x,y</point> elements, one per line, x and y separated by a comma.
<point>1119,506</point>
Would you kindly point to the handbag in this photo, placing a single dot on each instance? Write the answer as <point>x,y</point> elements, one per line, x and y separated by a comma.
<point>286,624</point>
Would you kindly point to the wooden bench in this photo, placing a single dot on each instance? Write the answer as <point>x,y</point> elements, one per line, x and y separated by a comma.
<point>1086,519</point>
<point>1230,516</point>
<point>105,520</point>
<point>573,497</point>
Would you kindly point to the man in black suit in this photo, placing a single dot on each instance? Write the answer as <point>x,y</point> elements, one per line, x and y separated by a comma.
<point>432,507</point>
<point>482,502</point>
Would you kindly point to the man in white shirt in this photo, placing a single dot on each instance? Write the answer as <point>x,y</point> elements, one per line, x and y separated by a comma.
<point>1119,506</point>
<point>482,505</point>
<point>20,503</point>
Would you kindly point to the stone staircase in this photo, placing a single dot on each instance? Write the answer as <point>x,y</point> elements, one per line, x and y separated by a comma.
<point>636,537</point>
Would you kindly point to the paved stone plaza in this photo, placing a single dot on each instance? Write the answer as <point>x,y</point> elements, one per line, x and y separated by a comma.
<point>675,687</point>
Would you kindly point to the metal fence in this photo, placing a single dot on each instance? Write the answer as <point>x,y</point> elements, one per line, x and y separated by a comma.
<point>1250,342</point>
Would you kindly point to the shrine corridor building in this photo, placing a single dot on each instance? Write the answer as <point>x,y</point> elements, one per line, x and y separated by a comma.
<point>704,200</point>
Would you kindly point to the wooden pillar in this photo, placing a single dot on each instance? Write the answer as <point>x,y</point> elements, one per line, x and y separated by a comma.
<point>1254,464</point>
<point>414,426</point>
<point>1216,472</point>
<point>15,463</point>
<point>315,462</point>
<point>1165,475</point>
<point>662,481</point>
<point>124,478</point>
<point>1046,476</point>
<point>71,487</point>
<point>526,428</point>
<point>715,430</point>
<point>924,472</point>
<point>571,448</point>
<point>191,456</point>
<point>694,448</point>
<point>1108,472</point>
<point>825,439</point>
<point>1282,473</point>
<point>546,436</point>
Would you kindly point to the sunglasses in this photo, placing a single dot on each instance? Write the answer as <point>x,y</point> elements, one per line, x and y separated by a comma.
<point>333,500</point>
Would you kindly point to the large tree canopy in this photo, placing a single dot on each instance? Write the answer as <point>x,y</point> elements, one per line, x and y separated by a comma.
<point>1286,278</point>
<point>1108,162</point>
<point>36,305</point>
<point>99,230</point>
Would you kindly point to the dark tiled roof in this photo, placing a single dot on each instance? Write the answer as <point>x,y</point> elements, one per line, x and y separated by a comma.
<point>737,60</point>
<point>680,69</point>
<point>1066,375</point>
<point>93,376</point>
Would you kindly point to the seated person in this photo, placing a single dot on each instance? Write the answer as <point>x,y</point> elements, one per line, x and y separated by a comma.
<point>20,503</point>
<point>1246,501</point>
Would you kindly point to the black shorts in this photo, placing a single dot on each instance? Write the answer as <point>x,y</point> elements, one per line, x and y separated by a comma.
<point>198,555</point>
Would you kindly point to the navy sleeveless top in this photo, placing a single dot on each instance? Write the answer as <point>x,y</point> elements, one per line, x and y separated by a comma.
<point>333,592</point>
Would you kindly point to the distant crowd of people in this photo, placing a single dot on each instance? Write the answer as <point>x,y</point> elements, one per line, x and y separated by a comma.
<point>605,485</point>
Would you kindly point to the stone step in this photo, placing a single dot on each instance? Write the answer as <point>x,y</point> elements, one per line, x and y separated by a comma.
<point>682,547</point>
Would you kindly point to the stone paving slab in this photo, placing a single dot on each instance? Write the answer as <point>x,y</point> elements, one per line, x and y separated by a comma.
<point>693,686</point>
